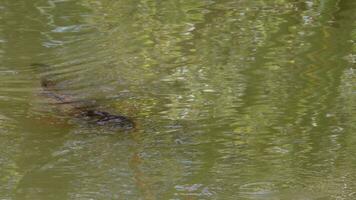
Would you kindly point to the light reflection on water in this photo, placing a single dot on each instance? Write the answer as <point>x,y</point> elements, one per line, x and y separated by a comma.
<point>232,99</point>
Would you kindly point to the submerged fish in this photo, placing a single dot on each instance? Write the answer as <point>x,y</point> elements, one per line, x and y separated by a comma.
<point>81,109</point>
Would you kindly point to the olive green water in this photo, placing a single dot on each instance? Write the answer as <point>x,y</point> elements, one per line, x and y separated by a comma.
<point>231,99</point>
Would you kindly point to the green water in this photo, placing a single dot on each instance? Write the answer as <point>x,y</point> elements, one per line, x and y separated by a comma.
<point>248,99</point>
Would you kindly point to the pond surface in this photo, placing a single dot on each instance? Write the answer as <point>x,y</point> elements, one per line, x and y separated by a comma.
<point>230,99</point>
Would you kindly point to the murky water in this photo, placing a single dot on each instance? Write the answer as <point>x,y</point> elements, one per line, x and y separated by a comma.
<point>230,99</point>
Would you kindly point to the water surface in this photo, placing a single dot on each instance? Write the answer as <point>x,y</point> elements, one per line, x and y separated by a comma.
<point>231,99</point>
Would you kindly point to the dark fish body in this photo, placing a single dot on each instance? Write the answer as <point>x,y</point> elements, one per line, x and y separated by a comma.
<point>87,112</point>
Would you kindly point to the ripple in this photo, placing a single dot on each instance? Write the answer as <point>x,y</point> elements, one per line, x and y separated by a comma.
<point>247,99</point>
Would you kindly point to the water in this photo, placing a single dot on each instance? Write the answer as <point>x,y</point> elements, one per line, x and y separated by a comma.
<point>231,99</point>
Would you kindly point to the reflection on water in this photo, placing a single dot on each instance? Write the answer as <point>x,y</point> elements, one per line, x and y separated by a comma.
<point>232,99</point>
